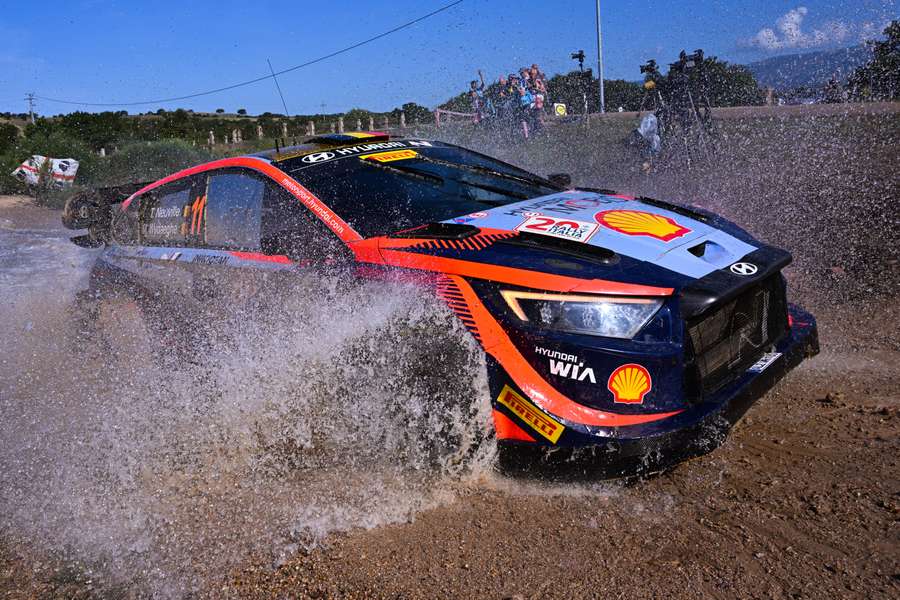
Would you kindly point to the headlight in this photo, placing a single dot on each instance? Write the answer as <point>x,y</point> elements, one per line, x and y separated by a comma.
<point>608,316</point>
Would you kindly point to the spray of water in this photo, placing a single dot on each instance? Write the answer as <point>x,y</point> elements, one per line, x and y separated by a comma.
<point>327,407</point>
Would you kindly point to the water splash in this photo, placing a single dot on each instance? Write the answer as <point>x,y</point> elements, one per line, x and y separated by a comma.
<point>327,407</point>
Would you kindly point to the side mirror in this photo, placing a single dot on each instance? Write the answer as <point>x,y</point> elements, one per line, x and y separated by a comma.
<point>561,179</point>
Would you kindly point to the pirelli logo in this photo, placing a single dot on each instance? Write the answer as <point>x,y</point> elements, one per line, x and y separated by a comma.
<point>528,412</point>
<point>391,156</point>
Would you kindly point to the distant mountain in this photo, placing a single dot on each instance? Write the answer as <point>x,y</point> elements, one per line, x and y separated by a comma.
<point>810,69</point>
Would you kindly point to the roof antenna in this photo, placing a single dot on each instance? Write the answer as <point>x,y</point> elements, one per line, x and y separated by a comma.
<point>277,147</point>
<point>278,87</point>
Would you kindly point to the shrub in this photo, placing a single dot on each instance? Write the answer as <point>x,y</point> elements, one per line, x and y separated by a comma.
<point>146,161</point>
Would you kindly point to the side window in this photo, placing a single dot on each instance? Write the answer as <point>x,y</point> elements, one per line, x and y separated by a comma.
<point>233,210</point>
<point>165,214</point>
<point>289,228</point>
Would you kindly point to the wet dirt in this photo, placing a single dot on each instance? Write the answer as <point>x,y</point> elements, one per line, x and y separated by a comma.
<point>801,501</point>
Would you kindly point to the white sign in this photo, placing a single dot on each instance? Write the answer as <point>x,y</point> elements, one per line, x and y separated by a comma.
<point>567,229</point>
<point>763,363</point>
<point>61,170</point>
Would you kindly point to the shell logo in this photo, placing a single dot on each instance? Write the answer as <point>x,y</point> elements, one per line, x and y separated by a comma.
<point>629,384</point>
<point>635,222</point>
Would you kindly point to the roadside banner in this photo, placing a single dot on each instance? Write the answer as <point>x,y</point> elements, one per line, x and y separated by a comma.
<point>60,170</point>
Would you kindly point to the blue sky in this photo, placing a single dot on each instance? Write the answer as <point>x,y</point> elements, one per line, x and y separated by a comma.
<point>99,51</point>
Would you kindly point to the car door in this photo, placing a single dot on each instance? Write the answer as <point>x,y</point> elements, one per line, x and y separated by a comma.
<point>255,237</point>
<point>166,236</point>
<point>227,224</point>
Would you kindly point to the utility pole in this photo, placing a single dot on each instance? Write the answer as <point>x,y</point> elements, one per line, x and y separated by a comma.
<point>29,98</point>
<point>600,60</point>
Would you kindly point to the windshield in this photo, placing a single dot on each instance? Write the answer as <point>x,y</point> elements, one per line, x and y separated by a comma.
<point>386,190</point>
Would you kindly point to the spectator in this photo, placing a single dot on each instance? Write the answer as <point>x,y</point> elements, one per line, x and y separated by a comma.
<point>493,98</point>
<point>476,95</point>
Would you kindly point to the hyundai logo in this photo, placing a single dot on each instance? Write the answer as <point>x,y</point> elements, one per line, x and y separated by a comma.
<point>744,268</point>
<point>318,157</point>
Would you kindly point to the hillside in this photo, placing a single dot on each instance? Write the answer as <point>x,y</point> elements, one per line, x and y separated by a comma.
<point>809,69</point>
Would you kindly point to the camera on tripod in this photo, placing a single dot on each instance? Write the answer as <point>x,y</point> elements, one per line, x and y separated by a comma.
<point>579,56</point>
<point>687,62</point>
<point>650,68</point>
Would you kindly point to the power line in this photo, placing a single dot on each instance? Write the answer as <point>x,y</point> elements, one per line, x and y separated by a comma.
<point>264,77</point>
<point>278,87</point>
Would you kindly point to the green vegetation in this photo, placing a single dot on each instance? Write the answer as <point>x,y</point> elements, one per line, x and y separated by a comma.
<point>150,145</point>
<point>880,78</point>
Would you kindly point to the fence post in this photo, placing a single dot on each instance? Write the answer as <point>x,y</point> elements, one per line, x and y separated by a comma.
<point>340,124</point>
<point>102,151</point>
<point>402,119</point>
<point>437,118</point>
<point>359,124</point>
<point>387,125</point>
<point>310,128</point>
<point>371,123</point>
<point>212,138</point>
<point>332,127</point>
<point>284,131</point>
<point>259,132</point>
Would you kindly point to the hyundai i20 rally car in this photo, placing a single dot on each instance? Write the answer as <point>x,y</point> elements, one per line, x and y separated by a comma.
<point>606,320</point>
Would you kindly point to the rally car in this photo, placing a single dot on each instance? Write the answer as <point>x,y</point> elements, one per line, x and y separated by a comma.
<point>607,321</point>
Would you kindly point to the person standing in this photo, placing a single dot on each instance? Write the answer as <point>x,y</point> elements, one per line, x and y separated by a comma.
<point>476,96</point>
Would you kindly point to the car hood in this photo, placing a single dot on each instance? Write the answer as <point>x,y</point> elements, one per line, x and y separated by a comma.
<point>623,225</point>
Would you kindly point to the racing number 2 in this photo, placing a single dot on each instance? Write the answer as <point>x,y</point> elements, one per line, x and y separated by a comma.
<point>544,223</point>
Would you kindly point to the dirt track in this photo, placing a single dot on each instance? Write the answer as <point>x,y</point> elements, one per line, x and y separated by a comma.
<point>802,501</point>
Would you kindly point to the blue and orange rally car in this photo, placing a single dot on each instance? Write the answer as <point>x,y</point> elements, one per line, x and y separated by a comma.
<point>606,320</point>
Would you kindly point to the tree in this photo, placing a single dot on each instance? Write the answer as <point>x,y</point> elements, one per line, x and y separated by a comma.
<point>879,79</point>
<point>219,111</point>
<point>724,84</point>
<point>242,111</point>
<point>461,103</point>
<point>416,113</point>
<point>9,135</point>
<point>353,114</point>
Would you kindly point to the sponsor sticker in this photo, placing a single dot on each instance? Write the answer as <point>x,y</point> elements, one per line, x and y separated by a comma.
<point>384,157</point>
<point>548,427</point>
<point>479,215</point>
<point>566,365</point>
<point>567,229</point>
<point>636,222</point>
<point>558,203</point>
<point>764,362</point>
<point>209,259</point>
<point>629,384</point>
<point>744,269</point>
<point>343,151</point>
<point>317,157</point>
<point>463,220</point>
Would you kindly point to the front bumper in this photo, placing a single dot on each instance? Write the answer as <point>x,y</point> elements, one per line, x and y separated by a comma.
<point>695,430</point>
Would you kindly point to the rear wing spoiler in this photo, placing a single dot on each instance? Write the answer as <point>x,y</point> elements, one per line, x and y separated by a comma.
<point>91,209</point>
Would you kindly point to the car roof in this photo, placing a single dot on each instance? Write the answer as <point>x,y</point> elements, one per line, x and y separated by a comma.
<point>321,142</point>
